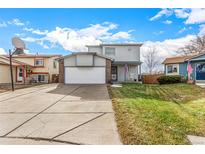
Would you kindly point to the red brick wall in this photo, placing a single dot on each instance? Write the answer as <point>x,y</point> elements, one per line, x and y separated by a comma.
<point>61,71</point>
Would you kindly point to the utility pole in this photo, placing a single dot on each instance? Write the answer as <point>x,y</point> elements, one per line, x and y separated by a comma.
<point>11,70</point>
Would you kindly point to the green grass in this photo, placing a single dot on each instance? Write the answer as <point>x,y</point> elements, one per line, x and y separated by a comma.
<point>159,114</point>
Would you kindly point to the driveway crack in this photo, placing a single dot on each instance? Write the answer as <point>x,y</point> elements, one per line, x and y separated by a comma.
<point>79,125</point>
<point>40,112</point>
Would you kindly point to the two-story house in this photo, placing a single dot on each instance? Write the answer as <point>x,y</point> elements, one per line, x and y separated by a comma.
<point>104,63</point>
<point>126,64</point>
<point>29,68</point>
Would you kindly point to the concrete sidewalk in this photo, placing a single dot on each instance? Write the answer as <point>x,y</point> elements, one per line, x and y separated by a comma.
<point>58,114</point>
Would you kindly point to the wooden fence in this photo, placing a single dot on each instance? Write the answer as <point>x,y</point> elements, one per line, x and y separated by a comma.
<point>151,78</point>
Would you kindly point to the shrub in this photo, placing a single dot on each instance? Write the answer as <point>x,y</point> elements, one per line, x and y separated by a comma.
<point>169,79</point>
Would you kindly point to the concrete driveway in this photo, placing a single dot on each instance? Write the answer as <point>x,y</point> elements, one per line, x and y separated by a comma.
<point>58,114</point>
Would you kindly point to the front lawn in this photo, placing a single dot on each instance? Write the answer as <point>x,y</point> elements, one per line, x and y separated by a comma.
<point>159,114</point>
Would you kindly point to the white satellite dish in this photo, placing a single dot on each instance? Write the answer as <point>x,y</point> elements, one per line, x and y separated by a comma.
<point>18,43</point>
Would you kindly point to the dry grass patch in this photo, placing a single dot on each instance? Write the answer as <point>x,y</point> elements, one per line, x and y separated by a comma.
<point>159,114</point>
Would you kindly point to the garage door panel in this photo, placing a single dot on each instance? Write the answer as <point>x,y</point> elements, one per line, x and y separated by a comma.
<point>85,75</point>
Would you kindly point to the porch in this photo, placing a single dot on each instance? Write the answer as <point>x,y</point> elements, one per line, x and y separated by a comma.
<point>126,72</point>
<point>26,75</point>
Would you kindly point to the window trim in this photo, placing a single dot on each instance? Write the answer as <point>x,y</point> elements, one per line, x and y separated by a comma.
<point>54,64</point>
<point>113,55</point>
<point>173,66</point>
<point>42,75</point>
<point>38,65</point>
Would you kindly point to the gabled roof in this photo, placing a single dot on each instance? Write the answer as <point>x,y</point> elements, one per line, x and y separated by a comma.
<point>181,59</point>
<point>116,44</point>
<point>5,60</point>
<point>85,53</point>
<point>35,56</point>
<point>198,57</point>
<point>178,59</point>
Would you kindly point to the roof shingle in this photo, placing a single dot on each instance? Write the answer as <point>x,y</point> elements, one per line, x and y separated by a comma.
<point>178,59</point>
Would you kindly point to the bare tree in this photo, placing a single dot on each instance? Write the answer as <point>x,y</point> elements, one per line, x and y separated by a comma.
<point>195,46</point>
<point>151,60</point>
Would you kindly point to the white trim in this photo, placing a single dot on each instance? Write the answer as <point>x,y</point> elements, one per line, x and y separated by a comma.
<point>175,73</point>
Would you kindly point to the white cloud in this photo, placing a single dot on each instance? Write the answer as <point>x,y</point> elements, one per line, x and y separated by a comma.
<point>196,16</point>
<point>16,22</point>
<point>3,24</point>
<point>36,31</point>
<point>158,33</point>
<point>20,34</point>
<point>181,13</point>
<point>166,48</point>
<point>30,39</point>
<point>2,51</point>
<point>77,39</point>
<point>163,12</point>
<point>182,30</point>
<point>168,22</point>
<point>202,29</point>
<point>120,35</point>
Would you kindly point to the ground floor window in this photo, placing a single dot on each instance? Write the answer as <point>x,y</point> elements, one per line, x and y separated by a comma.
<point>200,71</point>
<point>172,69</point>
<point>41,78</point>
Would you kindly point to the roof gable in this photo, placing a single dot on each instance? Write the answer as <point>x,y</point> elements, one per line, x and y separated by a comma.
<point>176,60</point>
<point>198,57</point>
<point>85,53</point>
<point>6,60</point>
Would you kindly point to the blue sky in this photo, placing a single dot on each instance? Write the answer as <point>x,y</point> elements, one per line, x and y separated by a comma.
<point>60,31</point>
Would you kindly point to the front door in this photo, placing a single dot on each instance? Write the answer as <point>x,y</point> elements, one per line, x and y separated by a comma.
<point>200,71</point>
<point>114,73</point>
<point>20,74</point>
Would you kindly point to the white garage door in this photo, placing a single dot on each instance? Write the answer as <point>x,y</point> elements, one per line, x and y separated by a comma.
<point>85,75</point>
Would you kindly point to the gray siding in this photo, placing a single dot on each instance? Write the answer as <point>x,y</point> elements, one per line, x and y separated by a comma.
<point>95,49</point>
<point>202,57</point>
<point>125,53</point>
<point>122,53</point>
<point>71,61</point>
<point>84,60</point>
<point>99,61</point>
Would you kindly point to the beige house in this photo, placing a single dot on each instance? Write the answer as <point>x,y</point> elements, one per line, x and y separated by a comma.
<point>29,68</point>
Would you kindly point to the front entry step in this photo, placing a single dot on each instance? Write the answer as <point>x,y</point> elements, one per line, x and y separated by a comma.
<point>201,84</point>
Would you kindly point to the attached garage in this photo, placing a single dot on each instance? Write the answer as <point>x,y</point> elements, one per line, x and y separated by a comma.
<point>85,75</point>
<point>85,68</point>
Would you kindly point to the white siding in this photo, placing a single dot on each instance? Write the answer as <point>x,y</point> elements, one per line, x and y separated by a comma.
<point>95,49</point>
<point>120,73</point>
<point>84,60</point>
<point>70,61</point>
<point>125,53</point>
<point>133,73</point>
<point>99,61</point>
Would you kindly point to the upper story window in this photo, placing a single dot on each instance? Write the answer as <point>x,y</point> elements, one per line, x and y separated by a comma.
<point>172,68</point>
<point>54,64</point>
<point>39,62</point>
<point>110,52</point>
